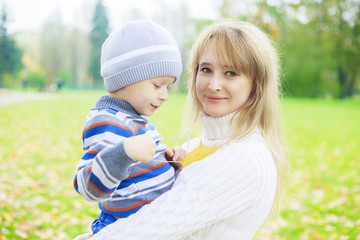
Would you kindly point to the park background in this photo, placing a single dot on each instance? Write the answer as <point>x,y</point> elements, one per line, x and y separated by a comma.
<point>55,64</point>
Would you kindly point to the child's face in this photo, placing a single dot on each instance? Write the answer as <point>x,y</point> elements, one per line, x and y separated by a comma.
<point>147,95</point>
<point>219,88</point>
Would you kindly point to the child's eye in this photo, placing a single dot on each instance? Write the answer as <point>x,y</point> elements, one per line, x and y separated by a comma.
<point>205,70</point>
<point>156,85</point>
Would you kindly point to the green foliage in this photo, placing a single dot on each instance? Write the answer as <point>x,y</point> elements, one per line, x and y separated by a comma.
<point>39,157</point>
<point>307,68</point>
<point>323,191</point>
<point>337,22</point>
<point>319,40</point>
<point>98,34</point>
<point>326,48</point>
<point>37,79</point>
<point>183,81</point>
<point>10,80</point>
<point>10,54</point>
<point>66,78</point>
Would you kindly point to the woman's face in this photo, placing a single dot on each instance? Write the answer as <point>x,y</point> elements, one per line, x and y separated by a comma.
<point>220,89</point>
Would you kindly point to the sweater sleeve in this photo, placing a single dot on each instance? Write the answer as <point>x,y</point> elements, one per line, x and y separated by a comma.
<point>222,185</point>
<point>105,162</point>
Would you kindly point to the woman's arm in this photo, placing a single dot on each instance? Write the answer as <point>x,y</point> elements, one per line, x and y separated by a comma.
<point>217,187</point>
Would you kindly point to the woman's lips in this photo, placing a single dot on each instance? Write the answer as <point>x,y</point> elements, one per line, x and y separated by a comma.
<point>215,99</point>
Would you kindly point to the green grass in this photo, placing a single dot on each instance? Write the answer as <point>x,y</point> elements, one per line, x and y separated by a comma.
<point>40,145</point>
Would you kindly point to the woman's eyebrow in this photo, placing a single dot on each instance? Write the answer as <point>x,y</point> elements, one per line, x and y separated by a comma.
<point>226,66</point>
<point>204,64</point>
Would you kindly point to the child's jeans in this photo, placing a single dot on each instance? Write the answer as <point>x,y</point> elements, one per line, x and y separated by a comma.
<point>102,221</point>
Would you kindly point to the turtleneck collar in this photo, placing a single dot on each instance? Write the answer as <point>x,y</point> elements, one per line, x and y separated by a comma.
<point>217,130</point>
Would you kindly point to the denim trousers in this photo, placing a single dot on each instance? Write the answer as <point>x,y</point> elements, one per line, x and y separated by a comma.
<point>102,220</point>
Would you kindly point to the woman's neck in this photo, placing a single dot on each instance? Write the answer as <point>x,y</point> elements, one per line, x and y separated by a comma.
<point>217,130</point>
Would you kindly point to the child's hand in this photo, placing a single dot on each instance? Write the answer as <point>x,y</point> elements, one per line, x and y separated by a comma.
<point>141,148</point>
<point>174,156</point>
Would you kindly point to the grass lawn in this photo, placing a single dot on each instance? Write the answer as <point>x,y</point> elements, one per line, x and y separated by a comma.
<point>40,145</point>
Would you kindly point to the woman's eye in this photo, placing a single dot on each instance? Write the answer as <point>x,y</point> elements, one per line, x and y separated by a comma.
<point>231,74</point>
<point>205,70</point>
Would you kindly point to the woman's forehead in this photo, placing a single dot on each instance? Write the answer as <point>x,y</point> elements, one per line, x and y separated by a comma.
<point>218,49</point>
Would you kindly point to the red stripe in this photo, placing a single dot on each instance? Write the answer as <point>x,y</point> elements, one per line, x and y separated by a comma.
<point>126,208</point>
<point>146,170</point>
<point>92,152</point>
<point>137,128</point>
<point>107,123</point>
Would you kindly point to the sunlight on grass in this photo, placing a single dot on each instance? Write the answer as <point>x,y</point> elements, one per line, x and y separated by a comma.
<point>40,145</point>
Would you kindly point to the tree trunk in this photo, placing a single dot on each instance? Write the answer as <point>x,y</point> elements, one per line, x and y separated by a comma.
<point>347,82</point>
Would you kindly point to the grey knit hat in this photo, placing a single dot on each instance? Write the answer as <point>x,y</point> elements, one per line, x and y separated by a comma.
<point>137,51</point>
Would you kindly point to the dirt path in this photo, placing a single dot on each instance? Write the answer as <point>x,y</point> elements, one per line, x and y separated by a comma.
<point>8,97</point>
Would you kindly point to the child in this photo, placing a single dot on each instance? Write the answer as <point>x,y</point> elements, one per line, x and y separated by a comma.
<point>124,167</point>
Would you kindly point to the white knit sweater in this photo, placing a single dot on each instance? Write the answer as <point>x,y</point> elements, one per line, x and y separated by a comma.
<point>226,195</point>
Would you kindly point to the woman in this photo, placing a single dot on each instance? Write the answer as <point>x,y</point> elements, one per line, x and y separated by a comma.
<point>233,172</point>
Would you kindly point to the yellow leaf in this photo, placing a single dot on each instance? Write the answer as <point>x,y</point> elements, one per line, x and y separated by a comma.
<point>315,236</point>
<point>8,217</point>
<point>198,154</point>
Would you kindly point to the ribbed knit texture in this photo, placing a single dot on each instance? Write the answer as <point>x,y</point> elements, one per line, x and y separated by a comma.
<point>138,50</point>
<point>227,195</point>
<point>106,174</point>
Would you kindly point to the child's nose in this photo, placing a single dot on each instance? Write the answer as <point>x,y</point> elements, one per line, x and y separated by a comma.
<point>164,95</point>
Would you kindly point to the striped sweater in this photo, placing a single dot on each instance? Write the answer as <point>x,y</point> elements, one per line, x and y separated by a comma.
<point>106,174</point>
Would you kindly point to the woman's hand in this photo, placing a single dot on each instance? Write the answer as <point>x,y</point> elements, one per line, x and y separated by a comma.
<point>174,156</point>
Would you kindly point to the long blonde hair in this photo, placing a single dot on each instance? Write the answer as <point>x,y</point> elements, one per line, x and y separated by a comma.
<point>249,51</point>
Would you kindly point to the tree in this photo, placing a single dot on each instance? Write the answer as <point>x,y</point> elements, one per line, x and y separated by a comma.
<point>98,34</point>
<point>337,22</point>
<point>80,54</point>
<point>319,42</point>
<point>53,47</point>
<point>10,54</point>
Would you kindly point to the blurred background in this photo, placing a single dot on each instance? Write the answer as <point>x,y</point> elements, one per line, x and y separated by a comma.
<point>50,79</point>
<point>53,44</point>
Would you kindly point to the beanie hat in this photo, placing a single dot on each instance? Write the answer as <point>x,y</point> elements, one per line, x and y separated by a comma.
<point>137,51</point>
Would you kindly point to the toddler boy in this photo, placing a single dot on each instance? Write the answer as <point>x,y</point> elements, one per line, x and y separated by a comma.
<point>123,166</point>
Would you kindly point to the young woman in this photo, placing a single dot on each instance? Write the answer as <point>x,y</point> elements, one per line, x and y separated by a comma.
<point>234,174</point>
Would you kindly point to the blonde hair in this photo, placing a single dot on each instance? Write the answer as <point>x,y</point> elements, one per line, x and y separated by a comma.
<point>250,51</point>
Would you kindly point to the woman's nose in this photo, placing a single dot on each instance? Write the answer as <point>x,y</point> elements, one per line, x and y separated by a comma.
<point>215,83</point>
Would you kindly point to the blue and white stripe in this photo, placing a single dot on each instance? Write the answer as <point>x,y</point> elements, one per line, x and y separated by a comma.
<point>106,173</point>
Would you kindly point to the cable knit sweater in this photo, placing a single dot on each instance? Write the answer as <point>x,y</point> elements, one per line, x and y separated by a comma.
<point>226,195</point>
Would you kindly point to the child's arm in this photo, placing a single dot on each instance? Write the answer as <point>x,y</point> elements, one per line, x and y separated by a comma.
<point>100,171</point>
<point>110,151</point>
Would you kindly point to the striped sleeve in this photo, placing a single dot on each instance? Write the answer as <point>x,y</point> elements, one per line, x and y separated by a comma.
<point>105,162</point>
